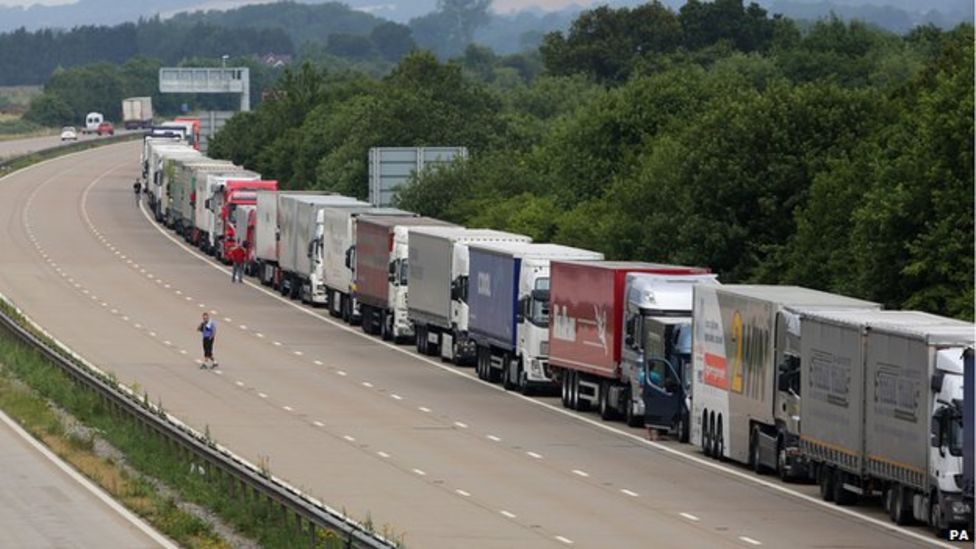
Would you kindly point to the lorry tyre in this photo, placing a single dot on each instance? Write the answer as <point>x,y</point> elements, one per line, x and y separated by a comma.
<point>706,435</point>
<point>524,386</point>
<point>682,430</point>
<point>754,460</point>
<point>842,496</point>
<point>367,314</point>
<point>630,415</point>
<point>564,384</point>
<point>606,411</point>
<point>419,337</point>
<point>901,509</point>
<point>719,441</point>
<point>936,520</point>
<point>781,461</point>
<point>573,390</point>
<point>386,331</point>
<point>825,479</point>
<point>508,379</point>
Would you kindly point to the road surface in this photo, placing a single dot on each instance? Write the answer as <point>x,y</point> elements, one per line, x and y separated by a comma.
<point>17,147</point>
<point>420,446</point>
<point>44,503</point>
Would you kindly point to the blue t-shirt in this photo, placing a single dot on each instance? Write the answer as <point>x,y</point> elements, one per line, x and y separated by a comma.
<point>208,329</point>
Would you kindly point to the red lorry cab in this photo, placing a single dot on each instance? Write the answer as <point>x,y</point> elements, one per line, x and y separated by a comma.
<point>586,312</point>
<point>236,194</point>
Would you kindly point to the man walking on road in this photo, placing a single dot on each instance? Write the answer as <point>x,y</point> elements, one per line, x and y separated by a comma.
<point>237,256</point>
<point>137,187</point>
<point>208,328</point>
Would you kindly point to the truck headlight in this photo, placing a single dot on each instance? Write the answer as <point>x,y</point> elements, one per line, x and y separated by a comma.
<point>536,367</point>
<point>959,508</point>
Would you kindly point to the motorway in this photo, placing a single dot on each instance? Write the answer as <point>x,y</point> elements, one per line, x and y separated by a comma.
<point>440,457</point>
<point>16,147</point>
<point>44,503</point>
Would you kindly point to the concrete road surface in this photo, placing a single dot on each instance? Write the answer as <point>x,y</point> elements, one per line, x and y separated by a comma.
<point>442,458</point>
<point>45,503</point>
<point>17,147</point>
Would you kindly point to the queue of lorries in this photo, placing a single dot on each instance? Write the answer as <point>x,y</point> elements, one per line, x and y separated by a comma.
<point>801,383</point>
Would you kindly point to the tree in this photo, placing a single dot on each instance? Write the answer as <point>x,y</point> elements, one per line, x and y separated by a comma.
<point>49,110</point>
<point>451,28</point>
<point>606,43</point>
<point>392,41</point>
<point>350,45</point>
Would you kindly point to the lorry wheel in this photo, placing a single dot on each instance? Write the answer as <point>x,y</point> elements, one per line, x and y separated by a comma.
<point>842,496</point>
<point>754,460</point>
<point>901,510</point>
<point>630,416</point>
<point>706,437</point>
<point>682,430</point>
<point>781,462</point>
<point>573,390</point>
<point>606,411</point>
<point>825,478</point>
<point>719,441</point>
<point>524,386</point>
<point>564,384</point>
<point>507,382</point>
<point>936,522</point>
<point>367,314</point>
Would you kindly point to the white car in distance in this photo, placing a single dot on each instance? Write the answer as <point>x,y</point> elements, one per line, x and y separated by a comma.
<point>68,133</point>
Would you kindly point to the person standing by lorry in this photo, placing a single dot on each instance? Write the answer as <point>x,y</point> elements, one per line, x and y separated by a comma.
<point>137,188</point>
<point>208,329</point>
<point>237,257</point>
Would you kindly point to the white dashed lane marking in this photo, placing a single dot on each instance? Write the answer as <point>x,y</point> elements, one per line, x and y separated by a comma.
<point>461,492</point>
<point>750,541</point>
<point>534,455</point>
<point>629,493</point>
<point>318,424</point>
<point>690,517</point>
<point>580,473</point>
<point>493,438</point>
<point>420,472</point>
<point>565,540</point>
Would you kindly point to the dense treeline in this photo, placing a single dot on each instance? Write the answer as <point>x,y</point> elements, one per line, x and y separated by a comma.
<point>839,158</point>
<point>71,93</point>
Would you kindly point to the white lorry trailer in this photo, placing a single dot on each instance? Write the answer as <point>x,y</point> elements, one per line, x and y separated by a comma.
<point>508,316</point>
<point>267,233</point>
<point>302,223</point>
<point>883,411</point>
<point>339,248</point>
<point>745,401</point>
<point>438,281</point>
<point>161,169</point>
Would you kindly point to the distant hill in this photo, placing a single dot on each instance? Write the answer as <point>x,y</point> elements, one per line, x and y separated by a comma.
<point>113,12</point>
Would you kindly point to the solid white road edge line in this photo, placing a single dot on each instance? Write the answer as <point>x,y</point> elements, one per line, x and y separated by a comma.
<point>715,466</point>
<point>88,485</point>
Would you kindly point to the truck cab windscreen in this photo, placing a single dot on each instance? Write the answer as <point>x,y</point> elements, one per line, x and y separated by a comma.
<point>954,433</point>
<point>539,305</point>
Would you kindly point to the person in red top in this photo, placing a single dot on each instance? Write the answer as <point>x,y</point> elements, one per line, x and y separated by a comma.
<point>237,256</point>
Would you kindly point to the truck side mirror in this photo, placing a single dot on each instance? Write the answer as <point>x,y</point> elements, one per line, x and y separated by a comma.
<point>520,310</point>
<point>206,204</point>
<point>392,275</point>
<point>629,340</point>
<point>310,245</point>
<point>349,258</point>
<point>936,383</point>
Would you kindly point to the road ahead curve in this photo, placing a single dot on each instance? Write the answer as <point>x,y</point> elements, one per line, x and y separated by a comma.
<point>442,458</point>
<point>44,503</point>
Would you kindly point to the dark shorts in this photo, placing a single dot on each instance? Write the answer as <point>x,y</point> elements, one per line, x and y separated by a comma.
<point>208,347</point>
